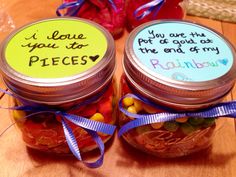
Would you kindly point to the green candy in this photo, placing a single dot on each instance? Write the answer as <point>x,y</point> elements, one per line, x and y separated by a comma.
<point>171,126</point>
<point>195,121</point>
<point>187,128</point>
<point>209,122</point>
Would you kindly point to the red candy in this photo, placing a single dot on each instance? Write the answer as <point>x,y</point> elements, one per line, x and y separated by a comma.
<point>170,9</point>
<point>102,12</point>
<point>89,110</point>
<point>105,108</point>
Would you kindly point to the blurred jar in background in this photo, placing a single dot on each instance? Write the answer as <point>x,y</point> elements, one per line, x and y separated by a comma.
<point>141,11</point>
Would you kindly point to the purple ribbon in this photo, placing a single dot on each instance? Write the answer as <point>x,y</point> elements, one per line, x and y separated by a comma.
<point>88,125</point>
<point>227,109</point>
<point>153,6</point>
<point>75,7</point>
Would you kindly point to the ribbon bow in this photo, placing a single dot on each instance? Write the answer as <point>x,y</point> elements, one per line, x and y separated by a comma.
<point>88,125</point>
<point>222,109</point>
<point>75,6</point>
<point>148,8</point>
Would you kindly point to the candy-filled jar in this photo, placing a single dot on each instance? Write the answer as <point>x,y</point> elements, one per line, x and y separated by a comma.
<point>60,73</point>
<point>176,74</point>
<point>141,11</point>
<point>108,13</point>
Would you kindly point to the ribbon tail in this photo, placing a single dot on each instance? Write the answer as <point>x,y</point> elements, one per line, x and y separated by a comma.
<point>101,147</point>
<point>71,140</point>
<point>73,145</point>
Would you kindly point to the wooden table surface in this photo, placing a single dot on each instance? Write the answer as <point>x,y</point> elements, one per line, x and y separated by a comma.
<point>120,159</point>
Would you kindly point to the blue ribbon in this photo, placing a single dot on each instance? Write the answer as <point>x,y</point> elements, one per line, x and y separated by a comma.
<point>113,5</point>
<point>75,7</point>
<point>227,109</point>
<point>153,6</point>
<point>88,125</point>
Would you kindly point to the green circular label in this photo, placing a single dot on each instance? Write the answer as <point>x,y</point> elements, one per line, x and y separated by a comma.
<point>56,48</point>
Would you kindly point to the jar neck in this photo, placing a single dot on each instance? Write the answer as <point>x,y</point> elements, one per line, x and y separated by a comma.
<point>168,105</point>
<point>70,104</point>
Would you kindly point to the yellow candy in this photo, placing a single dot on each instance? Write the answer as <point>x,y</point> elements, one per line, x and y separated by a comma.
<point>97,117</point>
<point>19,115</point>
<point>150,109</point>
<point>138,105</point>
<point>128,101</point>
<point>100,118</point>
<point>132,109</point>
<point>182,119</point>
<point>157,125</point>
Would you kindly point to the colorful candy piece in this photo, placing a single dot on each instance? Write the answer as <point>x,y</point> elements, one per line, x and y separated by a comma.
<point>100,118</point>
<point>171,126</point>
<point>187,128</point>
<point>128,101</point>
<point>195,121</point>
<point>182,119</point>
<point>19,115</point>
<point>132,109</point>
<point>138,105</point>
<point>157,125</point>
<point>97,117</point>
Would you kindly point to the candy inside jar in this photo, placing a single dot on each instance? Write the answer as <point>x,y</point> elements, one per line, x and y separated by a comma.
<point>172,89</point>
<point>43,130</point>
<point>62,84</point>
<point>179,137</point>
<point>141,11</point>
<point>109,13</point>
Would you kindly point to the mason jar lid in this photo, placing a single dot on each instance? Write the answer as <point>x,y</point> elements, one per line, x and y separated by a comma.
<point>58,60</point>
<point>179,63</point>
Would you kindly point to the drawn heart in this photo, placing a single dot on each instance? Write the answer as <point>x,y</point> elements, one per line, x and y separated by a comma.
<point>223,61</point>
<point>94,58</point>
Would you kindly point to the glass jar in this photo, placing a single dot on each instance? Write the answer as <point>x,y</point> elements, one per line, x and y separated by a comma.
<point>109,13</point>
<point>58,68</point>
<point>141,11</point>
<point>173,69</point>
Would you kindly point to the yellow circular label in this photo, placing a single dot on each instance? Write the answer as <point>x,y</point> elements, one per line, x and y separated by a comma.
<point>56,48</point>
